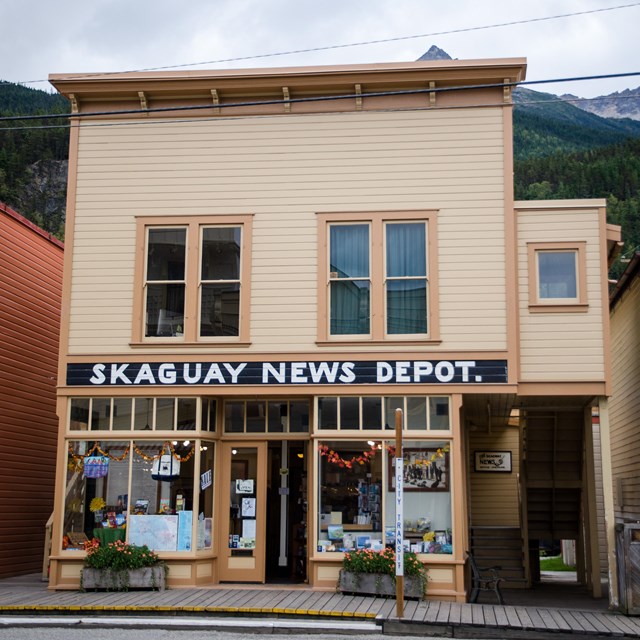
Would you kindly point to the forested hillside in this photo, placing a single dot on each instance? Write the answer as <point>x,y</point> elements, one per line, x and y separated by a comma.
<point>561,152</point>
<point>33,161</point>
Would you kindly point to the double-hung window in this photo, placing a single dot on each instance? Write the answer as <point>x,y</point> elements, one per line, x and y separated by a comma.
<point>194,280</point>
<point>377,276</point>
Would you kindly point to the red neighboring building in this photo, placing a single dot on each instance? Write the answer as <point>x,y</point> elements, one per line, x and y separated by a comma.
<point>30,294</point>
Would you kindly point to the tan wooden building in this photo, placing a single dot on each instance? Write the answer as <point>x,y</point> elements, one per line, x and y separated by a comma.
<point>263,266</point>
<point>624,409</point>
<point>30,295</point>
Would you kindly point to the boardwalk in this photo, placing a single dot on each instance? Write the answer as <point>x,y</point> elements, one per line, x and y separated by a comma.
<point>432,617</point>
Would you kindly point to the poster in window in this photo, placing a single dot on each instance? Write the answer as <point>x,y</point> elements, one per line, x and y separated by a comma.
<point>423,470</point>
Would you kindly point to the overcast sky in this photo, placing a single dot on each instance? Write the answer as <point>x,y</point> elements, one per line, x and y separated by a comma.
<point>40,37</point>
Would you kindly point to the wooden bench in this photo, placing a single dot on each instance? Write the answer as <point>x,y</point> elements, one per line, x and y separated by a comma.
<point>484,579</point>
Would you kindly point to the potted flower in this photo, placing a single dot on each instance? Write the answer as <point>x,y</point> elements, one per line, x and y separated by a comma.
<point>373,572</point>
<point>119,566</point>
<point>96,506</point>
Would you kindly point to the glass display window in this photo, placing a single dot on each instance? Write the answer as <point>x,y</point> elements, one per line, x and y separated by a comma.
<point>139,491</point>
<point>350,495</point>
<point>426,497</point>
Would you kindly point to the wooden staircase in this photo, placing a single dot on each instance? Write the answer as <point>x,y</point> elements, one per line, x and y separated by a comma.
<point>503,547</point>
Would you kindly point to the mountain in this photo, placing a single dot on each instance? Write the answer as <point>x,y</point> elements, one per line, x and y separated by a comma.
<point>545,124</point>
<point>434,53</point>
<point>621,104</point>
<point>33,161</point>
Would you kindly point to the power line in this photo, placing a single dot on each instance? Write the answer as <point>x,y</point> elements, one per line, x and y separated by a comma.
<point>347,45</point>
<point>261,103</point>
<point>255,116</point>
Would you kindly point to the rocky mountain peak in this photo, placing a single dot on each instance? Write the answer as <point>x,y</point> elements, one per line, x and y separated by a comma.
<point>435,53</point>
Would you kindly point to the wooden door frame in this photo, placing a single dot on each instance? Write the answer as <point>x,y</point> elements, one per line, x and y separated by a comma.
<point>247,568</point>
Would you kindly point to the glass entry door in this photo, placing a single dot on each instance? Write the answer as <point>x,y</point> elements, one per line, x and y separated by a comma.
<point>243,531</point>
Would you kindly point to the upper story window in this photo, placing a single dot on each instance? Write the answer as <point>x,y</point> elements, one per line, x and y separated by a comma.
<point>194,277</point>
<point>558,276</point>
<point>378,277</point>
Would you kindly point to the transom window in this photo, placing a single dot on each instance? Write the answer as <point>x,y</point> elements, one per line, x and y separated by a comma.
<point>421,413</point>
<point>377,276</point>
<point>266,416</point>
<point>138,414</point>
<point>194,280</point>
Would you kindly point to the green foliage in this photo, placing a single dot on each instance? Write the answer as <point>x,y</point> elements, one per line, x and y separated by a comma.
<point>545,125</point>
<point>554,563</point>
<point>22,146</point>
<point>119,556</point>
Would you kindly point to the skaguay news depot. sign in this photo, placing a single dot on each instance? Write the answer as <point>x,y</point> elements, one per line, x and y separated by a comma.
<point>274,373</point>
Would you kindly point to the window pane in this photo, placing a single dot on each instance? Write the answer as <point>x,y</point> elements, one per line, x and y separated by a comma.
<point>209,415</point>
<point>234,417</point>
<point>100,414</point>
<point>439,413</point>
<point>256,418</point>
<point>143,419</point>
<point>221,253</point>
<point>328,413</point>
<point>406,250</point>
<point>122,414</point>
<point>557,274</point>
<point>205,501</point>
<point>165,310</point>
<point>79,417</point>
<point>350,303</point>
<point>390,406</point>
<point>350,494</point>
<point>165,413</point>
<point>372,413</point>
<point>349,413</point>
<point>406,306</point>
<point>349,251</point>
<point>166,254</point>
<point>162,483</point>
<point>427,497</point>
<point>187,414</point>
<point>92,476</point>
<point>277,417</point>
<point>299,416</point>
<point>417,414</point>
<point>220,310</point>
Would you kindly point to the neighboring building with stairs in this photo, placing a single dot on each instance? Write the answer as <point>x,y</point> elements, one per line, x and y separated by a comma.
<point>266,265</point>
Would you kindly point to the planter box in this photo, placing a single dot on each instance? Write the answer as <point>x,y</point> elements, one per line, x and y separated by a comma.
<point>379,584</point>
<point>145,578</point>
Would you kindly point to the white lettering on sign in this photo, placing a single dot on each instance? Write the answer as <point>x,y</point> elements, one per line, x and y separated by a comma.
<point>206,480</point>
<point>289,373</point>
<point>399,517</point>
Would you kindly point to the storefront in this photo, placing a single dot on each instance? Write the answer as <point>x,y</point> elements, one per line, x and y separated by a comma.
<point>239,488</point>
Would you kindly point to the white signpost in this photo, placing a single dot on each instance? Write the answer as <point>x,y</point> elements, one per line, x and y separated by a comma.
<point>399,474</point>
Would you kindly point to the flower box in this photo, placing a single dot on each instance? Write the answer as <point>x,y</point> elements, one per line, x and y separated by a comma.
<point>112,580</point>
<point>380,584</point>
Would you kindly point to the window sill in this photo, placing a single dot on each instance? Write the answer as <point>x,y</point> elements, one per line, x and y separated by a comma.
<point>559,308</point>
<point>189,345</point>
<point>369,341</point>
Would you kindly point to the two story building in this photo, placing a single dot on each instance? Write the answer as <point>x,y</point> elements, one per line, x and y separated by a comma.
<point>263,265</point>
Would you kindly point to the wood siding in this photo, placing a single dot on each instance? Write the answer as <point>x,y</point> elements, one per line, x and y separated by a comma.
<point>561,346</point>
<point>624,406</point>
<point>284,170</point>
<point>494,496</point>
<point>30,290</point>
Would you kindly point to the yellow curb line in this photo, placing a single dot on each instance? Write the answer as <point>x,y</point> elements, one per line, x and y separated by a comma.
<point>211,609</point>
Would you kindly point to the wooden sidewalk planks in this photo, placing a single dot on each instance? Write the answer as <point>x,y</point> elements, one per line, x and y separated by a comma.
<point>489,615</point>
<point>599,621</point>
